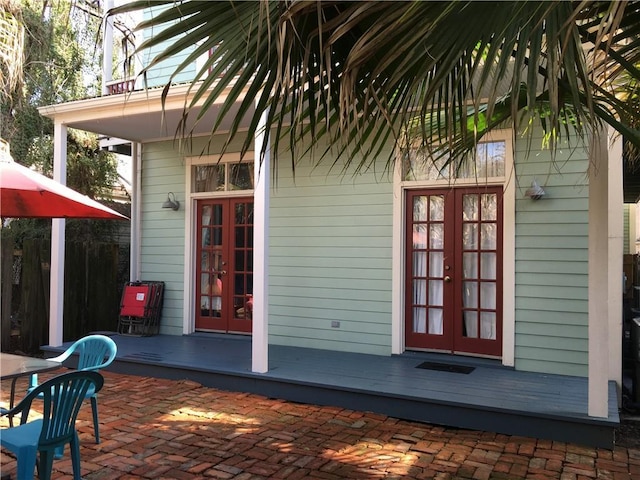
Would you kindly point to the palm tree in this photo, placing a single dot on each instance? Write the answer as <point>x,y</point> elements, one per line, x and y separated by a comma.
<point>440,74</point>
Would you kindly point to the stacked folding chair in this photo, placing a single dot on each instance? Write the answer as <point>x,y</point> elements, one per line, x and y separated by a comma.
<point>140,308</point>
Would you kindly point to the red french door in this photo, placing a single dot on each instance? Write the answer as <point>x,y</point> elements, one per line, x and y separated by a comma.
<point>454,270</point>
<point>224,265</point>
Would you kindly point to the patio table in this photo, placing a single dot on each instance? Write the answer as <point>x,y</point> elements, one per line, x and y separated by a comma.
<point>16,366</point>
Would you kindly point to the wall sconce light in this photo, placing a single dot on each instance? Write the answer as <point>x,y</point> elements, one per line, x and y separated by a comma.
<point>536,192</point>
<point>171,202</point>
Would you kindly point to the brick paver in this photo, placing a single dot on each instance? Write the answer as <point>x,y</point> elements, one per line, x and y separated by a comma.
<point>162,429</point>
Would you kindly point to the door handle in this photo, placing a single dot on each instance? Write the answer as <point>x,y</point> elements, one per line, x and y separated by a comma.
<point>447,279</point>
<point>223,272</point>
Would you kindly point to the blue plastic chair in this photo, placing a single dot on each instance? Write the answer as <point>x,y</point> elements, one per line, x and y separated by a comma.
<point>94,352</point>
<point>63,396</point>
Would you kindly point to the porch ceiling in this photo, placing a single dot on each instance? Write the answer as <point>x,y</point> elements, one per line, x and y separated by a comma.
<point>137,116</point>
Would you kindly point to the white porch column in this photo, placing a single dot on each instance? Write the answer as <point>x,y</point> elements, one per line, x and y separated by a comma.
<point>616,256</point>
<point>260,334</point>
<point>56,300</point>
<point>397,264</point>
<point>107,42</point>
<point>598,277</point>
<point>134,250</point>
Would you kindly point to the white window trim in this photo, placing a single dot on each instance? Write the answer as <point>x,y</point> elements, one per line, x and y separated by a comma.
<point>188,315</point>
<point>508,255</point>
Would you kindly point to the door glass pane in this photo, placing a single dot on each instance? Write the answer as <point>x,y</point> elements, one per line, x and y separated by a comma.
<point>488,265</point>
<point>470,207</point>
<point>488,325</point>
<point>419,320</point>
<point>435,321</point>
<point>240,240</point>
<point>240,263</point>
<point>211,291</point>
<point>470,265</point>
<point>470,327</point>
<point>420,209</point>
<point>205,303</point>
<point>488,240</point>
<point>435,292</point>
<point>489,206</point>
<point>420,236</point>
<point>470,295</point>
<point>419,264</point>
<point>436,208</point>
<point>470,236</point>
<point>488,295</point>
<point>217,215</point>
<point>250,236</point>
<point>436,236</point>
<point>217,236</point>
<point>216,295</point>
<point>419,292</point>
<point>436,264</point>
<point>239,284</point>
<point>206,214</point>
<point>241,214</point>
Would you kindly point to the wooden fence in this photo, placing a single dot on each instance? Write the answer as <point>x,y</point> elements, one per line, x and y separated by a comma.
<point>91,292</point>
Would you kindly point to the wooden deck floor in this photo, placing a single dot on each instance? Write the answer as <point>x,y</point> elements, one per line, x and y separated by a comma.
<point>490,397</point>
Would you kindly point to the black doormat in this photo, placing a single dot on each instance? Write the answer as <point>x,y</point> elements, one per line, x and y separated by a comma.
<point>446,367</point>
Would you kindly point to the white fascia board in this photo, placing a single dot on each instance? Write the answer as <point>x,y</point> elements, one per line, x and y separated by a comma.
<point>139,102</point>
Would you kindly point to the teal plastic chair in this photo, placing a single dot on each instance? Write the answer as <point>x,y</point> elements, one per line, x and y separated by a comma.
<point>94,352</point>
<point>63,396</point>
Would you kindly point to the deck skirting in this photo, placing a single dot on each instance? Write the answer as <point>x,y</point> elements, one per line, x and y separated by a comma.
<point>490,398</point>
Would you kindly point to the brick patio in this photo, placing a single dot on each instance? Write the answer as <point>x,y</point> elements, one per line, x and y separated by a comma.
<point>154,428</point>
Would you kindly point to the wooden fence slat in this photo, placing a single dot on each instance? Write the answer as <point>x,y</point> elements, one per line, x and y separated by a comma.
<point>6,280</point>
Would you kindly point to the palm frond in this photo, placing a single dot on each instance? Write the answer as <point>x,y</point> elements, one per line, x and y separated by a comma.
<point>356,75</point>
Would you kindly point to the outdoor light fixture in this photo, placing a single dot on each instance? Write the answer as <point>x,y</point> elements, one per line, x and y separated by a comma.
<point>171,202</point>
<point>536,192</point>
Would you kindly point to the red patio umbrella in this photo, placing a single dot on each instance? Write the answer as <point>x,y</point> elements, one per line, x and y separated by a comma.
<point>25,193</point>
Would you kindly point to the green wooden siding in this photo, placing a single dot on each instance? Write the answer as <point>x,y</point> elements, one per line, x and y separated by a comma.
<point>330,260</point>
<point>159,75</point>
<point>162,239</point>
<point>551,318</point>
<point>330,256</point>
